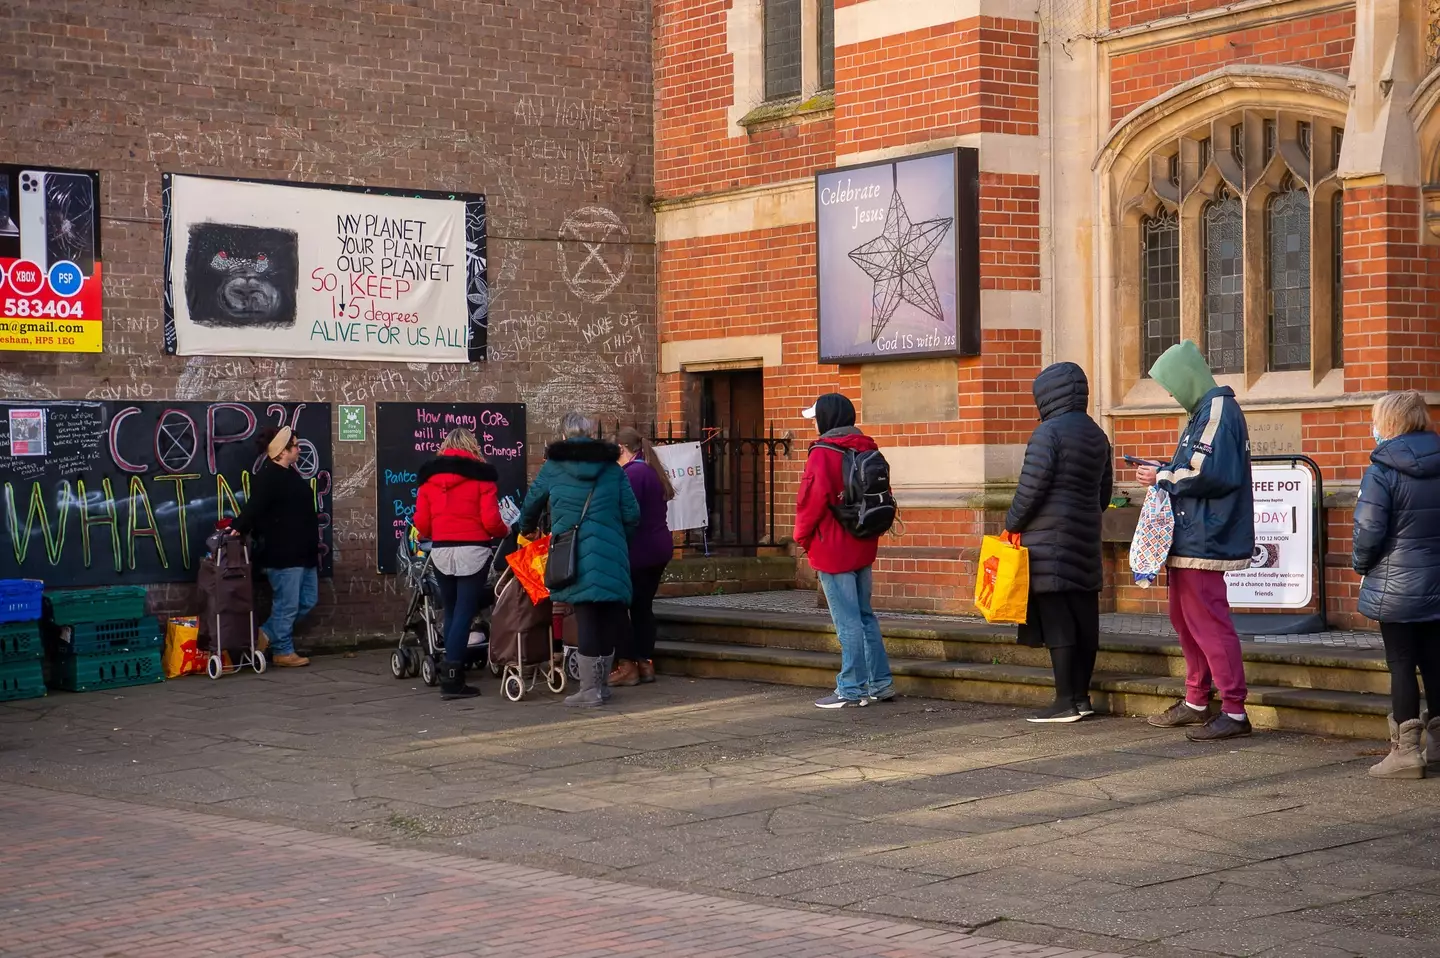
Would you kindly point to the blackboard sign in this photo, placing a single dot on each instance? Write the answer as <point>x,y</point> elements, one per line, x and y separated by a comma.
<point>104,493</point>
<point>407,435</point>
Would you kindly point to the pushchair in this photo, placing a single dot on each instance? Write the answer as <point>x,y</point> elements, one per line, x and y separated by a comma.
<point>227,602</point>
<point>421,648</point>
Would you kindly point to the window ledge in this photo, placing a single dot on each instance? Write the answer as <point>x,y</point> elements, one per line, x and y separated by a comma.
<point>794,110</point>
<point>1277,391</point>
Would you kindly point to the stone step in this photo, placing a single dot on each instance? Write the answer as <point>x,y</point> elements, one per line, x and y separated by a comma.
<point>1311,667</point>
<point>1317,711</point>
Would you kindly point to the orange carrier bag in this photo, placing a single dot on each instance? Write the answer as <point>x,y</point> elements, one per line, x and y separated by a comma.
<point>1002,583</point>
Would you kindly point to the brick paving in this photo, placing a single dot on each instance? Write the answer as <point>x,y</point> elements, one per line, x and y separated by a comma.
<point>93,876</point>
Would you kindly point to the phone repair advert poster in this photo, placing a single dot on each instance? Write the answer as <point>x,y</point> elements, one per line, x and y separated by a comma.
<point>49,259</point>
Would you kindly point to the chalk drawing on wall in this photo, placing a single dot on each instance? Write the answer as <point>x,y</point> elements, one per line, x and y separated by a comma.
<point>594,254</point>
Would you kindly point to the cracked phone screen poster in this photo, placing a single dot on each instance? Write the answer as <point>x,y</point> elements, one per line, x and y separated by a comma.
<point>260,268</point>
<point>50,284</point>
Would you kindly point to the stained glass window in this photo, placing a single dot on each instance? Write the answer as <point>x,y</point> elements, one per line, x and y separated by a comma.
<point>782,48</point>
<point>1287,248</point>
<point>1160,284</point>
<point>1223,224</point>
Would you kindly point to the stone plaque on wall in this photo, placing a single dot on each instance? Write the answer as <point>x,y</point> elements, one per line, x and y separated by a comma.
<point>1275,433</point>
<point>924,390</point>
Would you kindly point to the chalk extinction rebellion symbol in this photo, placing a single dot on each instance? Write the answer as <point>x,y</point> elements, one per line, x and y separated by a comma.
<point>898,260</point>
<point>593,271</point>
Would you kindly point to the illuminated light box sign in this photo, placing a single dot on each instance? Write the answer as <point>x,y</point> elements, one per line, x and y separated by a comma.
<point>291,270</point>
<point>898,258</point>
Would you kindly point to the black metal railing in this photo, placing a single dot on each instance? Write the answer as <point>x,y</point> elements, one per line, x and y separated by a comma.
<point>739,487</point>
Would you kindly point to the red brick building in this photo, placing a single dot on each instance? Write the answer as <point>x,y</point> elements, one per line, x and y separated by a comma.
<point>1253,176</point>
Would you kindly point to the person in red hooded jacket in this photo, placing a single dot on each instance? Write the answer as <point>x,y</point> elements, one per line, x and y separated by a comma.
<point>842,560</point>
<point>458,510</point>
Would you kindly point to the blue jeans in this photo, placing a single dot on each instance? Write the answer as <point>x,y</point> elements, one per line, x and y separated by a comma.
<point>296,592</point>
<point>459,600</point>
<point>864,666</point>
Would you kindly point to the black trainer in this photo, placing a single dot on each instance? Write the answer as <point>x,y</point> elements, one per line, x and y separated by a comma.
<point>1085,707</point>
<point>1220,728</point>
<point>1061,713</point>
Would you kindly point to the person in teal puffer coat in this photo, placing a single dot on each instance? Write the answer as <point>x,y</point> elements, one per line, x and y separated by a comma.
<point>575,467</point>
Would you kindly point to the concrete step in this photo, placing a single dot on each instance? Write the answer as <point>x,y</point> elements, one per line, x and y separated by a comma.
<point>1307,667</point>
<point>1318,711</point>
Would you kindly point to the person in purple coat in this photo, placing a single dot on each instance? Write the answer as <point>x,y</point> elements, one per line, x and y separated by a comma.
<point>650,549</point>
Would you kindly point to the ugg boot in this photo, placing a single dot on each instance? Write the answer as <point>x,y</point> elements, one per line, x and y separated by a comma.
<point>1432,738</point>
<point>593,671</point>
<point>452,682</point>
<point>609,662</point>
<point>1406,760</point>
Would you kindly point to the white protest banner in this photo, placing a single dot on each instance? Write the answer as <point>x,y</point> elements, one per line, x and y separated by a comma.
<point>686,468</point>
<point>288,270</point>
<point>1282,570</point>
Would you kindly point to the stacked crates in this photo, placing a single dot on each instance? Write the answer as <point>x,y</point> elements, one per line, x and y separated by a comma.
<point>21,676</point>
<point>102,639</point>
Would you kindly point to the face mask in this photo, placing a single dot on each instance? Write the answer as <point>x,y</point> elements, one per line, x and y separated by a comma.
<point>1375,432</point>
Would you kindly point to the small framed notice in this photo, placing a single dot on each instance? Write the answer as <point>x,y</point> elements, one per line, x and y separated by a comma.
<point>27,432</point>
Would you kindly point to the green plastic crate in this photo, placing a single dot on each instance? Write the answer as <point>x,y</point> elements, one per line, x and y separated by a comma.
<point>21,680</point>
<point>102,638</point>
<point>83,606</point>
<point>90,673</point>
<point>20,642</point>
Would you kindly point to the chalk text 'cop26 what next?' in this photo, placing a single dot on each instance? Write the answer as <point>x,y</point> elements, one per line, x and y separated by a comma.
<point>323,272</point>
<point>49,259</point>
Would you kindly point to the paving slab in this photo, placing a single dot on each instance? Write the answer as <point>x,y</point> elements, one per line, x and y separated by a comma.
<point>1109,836</point>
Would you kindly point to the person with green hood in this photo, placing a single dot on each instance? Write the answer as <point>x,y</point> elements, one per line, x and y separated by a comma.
<point>1208,480</point>
<point>586,490</point>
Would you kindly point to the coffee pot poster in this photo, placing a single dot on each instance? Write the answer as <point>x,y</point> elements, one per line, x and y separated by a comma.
<point>295,270</point>
<point>898,258</point>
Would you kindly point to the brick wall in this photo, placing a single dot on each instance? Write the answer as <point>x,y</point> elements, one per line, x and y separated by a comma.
<point>542,106</point>
<point>1129,13</point>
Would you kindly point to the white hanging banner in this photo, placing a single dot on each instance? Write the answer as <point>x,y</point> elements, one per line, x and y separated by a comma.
<point>686,468</point>
<point>1282,567</point>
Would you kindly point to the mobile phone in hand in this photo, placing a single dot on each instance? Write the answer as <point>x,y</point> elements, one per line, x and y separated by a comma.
<point>1142,462</point>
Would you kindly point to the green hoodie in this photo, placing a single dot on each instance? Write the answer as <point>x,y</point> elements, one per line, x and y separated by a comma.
<point>1184,374</point>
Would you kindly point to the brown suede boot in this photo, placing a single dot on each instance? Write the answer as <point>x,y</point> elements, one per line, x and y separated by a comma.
<point>627,673</point>
<point>647,671</point>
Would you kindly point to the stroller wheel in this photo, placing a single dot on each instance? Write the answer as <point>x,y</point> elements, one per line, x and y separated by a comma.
<point>555,680</point>
<point>572,664</point>
<point>513,687</point>
<point>429,674</point>
<point>399,663</point>
<point>215,667</point>
<point>494,667</point>
<point>257,661</point>
<point>412,662</point>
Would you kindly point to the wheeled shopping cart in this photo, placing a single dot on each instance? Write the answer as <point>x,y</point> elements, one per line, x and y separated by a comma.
<point>227,602</point>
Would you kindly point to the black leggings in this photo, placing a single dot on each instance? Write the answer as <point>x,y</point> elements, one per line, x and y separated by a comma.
<point>1411,645</point>
<point>639,642</point>
<point>599,624</point>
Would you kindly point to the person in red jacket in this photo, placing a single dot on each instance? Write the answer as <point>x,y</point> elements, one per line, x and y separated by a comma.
<point>842,560</point>
<point>458,510</point>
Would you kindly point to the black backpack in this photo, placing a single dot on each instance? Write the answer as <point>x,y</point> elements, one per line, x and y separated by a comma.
<point>869,508</point>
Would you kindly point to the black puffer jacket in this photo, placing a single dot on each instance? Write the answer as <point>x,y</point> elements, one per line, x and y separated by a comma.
<point>1397,530</point>
<point>1064,486</point>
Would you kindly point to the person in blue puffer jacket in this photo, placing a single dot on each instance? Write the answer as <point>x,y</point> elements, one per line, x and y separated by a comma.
<point>1210,489</point>
<point>1397,550</point>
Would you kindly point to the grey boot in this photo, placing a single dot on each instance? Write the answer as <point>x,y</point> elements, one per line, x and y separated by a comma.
<point>592,678</point>
<point>609,661</point>
<point>1406,760</point>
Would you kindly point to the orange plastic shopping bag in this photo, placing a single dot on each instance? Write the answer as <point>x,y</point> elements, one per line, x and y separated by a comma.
<point>528,563</point>
<point>1002,583</point>
<point>182,647</point>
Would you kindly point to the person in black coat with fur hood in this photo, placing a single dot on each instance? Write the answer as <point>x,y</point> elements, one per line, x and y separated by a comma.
<point>1062,495</point>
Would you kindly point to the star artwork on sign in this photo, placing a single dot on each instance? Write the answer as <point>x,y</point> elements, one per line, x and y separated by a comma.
<point>898,260</point>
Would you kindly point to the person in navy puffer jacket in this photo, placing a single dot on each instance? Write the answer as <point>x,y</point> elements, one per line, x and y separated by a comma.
<point>650,549</point>
<point>1397,550</point>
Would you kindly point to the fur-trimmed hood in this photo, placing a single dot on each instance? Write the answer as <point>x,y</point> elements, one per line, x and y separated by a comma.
<point>456,467</point>
<point>583,458</point>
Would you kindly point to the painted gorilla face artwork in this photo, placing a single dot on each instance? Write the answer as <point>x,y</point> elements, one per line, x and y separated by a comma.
<point>241,276</point>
